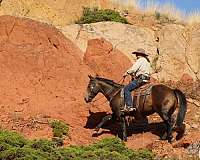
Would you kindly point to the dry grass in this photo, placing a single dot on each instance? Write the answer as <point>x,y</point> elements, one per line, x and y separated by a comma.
<point>193,17</point>
<point>150,7</point>
<point>167,9</point>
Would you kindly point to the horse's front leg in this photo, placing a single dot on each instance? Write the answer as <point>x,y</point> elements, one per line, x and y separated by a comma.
<point>103,121</point>
<point>123,127</point>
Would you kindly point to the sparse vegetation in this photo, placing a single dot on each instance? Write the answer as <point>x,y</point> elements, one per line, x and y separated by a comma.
<point>157,15</point>
<point>60,130</point>
<point>92,15</point>
<point>14,146</point>
<point>163,18</point>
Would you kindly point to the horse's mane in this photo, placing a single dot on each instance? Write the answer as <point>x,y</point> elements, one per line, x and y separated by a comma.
<point>111,82</point>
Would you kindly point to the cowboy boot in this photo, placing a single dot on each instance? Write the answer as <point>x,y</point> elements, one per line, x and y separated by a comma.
<point>128,109</point>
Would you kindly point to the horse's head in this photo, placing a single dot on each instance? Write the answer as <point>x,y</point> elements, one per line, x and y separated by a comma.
<point>93,89</point>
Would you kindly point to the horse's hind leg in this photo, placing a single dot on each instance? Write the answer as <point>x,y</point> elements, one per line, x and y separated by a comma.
<point>103,121</point>
<point>169,124</point>
<point>180,130</point>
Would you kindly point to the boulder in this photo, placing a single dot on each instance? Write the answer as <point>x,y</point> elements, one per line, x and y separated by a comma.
<point>106,61</point>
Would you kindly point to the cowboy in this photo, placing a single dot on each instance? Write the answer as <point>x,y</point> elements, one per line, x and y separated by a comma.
<point>141,73</point>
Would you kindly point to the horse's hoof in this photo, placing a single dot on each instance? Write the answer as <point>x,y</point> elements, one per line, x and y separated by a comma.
<point>164,136</point>
<point>171,139</point>
<point>96,130</point>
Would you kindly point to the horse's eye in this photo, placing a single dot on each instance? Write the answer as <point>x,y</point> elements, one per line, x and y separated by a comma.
<point>92,87</point>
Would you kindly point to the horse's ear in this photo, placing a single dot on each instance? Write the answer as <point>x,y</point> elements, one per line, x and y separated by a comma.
<point>90,76</point>
<point>90,112</point>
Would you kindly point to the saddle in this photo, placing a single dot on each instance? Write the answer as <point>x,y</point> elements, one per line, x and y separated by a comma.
<point>142,91</point>
<point>137,93</point>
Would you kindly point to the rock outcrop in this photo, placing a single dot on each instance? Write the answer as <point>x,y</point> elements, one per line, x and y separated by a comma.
<point>104,60</point>
<point>174,48</point>
<point>125,38</point>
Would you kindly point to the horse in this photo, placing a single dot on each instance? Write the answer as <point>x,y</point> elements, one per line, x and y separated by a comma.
<point>161,100</point>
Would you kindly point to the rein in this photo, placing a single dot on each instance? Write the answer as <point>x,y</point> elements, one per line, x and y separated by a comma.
<point>109,91</point>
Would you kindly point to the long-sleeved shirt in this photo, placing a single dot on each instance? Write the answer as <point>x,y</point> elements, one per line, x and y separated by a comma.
<point>141,66</point>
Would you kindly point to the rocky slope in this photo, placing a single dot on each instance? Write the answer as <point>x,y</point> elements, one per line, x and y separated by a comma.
<point>178,52</point>
<point>41,76</point>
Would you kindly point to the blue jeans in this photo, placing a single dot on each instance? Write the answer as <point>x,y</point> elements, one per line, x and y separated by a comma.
<point>127,92</point>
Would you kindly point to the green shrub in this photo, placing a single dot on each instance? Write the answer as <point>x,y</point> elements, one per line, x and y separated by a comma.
<point>99,15</point>
<point>157,15</point>
<point>12,139</point>
<point>59,128</point>
<point>108,148</point>
<point>43,145</point>
<point>162,18</point>
<point>143,154</point>
<point>110,144</point>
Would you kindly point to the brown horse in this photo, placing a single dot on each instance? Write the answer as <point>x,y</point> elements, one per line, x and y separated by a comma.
<point>162,100</point>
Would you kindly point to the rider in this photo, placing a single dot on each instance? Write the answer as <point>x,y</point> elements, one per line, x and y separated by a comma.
<point>141,71</point>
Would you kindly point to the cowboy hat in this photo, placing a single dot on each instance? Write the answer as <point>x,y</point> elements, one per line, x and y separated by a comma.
<point>140,51</point>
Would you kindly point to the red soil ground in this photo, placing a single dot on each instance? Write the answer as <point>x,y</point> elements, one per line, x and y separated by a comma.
<point>42,77</point>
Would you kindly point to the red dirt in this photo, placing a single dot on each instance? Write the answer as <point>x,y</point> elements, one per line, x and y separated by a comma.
<point>42,77</point>
<point>105,60</point>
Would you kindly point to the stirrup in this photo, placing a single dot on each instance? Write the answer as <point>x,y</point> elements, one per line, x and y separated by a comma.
<point>128,109</point>
<point>132,109</point>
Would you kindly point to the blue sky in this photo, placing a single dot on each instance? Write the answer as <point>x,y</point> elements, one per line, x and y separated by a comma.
<point>184,5</point>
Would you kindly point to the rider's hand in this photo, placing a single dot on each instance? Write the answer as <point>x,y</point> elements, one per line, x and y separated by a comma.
<point>125,74</point>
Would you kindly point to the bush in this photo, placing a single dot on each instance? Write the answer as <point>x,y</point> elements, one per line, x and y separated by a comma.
<point>99,15</point>
<point>110,144</point>
<point>8,138</point>
<point>162,18</point>
<point>108,148</point>
<point>59,128</point>
<point>157,15</point>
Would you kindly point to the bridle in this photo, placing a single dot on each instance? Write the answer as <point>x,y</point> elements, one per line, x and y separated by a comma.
<point>109,92</point>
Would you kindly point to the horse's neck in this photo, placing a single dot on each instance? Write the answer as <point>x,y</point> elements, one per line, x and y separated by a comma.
<point>107,90</point>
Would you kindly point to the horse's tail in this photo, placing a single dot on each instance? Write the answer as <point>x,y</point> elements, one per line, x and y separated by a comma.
<point>182,107</point>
